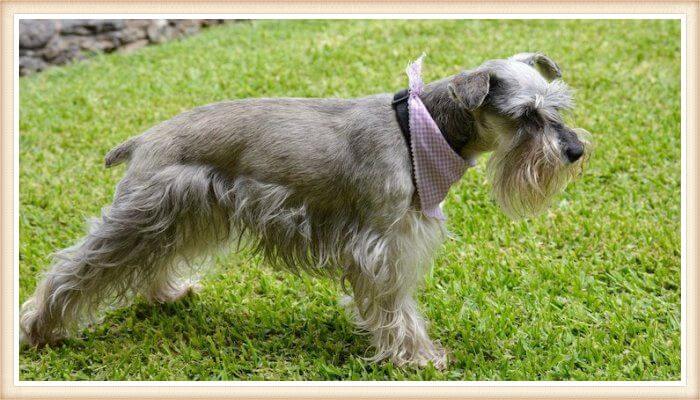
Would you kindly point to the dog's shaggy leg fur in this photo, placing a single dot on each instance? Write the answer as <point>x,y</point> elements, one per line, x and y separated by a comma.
<point>384,279</point>
<point>155,224</point>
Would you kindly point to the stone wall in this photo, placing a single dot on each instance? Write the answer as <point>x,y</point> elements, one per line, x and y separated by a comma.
<point>43,43</point>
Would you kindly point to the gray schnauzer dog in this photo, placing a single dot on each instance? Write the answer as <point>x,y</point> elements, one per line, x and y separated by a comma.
<point>317,185</point>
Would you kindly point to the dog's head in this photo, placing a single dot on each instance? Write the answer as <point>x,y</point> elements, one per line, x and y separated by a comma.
<point>516,105</point>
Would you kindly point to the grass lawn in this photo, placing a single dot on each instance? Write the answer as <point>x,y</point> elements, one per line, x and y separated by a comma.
<point>589,290</point>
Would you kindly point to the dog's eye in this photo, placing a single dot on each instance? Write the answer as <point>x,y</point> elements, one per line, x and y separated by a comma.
<point>531,118</point>
<point>556,126</point>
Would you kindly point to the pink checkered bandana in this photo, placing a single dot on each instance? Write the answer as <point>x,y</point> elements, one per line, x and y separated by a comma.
<point>436,166</point>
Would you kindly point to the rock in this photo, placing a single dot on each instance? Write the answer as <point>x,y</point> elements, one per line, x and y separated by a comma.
<point>69,40</point>
<point>104,42</point>
<point>75,27</point>
<point>28,65</point>
<point>94,43</point>
<point>53,48</point>
<point>69,54</point>
<point>186,26</point>
<point>106,25</point>
<point>30,53</point>
<point>85,27</point>
<point>156,31</point>
<point>129,34</point>
<point>210,22</point>
<point>34,34</point>
<point>46,42</point>
<point>109,41</point>
<point>170,32</point>
<point>161,34</point>
<point>133,46</point>
<point>61,51</point>
<point>138,23</point>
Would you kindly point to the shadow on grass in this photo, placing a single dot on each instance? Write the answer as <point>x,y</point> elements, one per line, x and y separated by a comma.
<point>244,339</point>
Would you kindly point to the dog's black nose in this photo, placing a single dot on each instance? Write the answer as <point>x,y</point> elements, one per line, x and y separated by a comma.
<point>573,152</point>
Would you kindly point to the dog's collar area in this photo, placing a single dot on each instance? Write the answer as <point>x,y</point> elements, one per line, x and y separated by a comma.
<point>400,105</point>
<point>436,164</point>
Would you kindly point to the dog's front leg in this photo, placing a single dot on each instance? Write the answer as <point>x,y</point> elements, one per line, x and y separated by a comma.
<point>384,275</point>
<point>386,309</point>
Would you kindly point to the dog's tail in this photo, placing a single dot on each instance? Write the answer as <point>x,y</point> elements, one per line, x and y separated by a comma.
<point>120,153</point>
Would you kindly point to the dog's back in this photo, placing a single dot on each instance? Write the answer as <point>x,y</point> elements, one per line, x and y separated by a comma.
<point>324,148</point>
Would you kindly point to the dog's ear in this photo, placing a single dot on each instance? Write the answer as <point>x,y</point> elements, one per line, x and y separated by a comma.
<point>470,88</point>
<point>545,65</point>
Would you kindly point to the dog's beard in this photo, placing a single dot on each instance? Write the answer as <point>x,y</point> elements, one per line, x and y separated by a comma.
<point>527,172</point>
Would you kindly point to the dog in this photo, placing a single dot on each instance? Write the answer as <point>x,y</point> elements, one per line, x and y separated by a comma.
<point>324,186</point>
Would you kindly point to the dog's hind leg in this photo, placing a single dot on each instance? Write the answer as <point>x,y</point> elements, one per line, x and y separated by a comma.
<point>387,270</point>
<point>155,223</point>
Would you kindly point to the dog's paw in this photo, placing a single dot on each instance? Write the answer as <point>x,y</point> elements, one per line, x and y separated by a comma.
<point>40,341</point>
<point>435,355</point>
